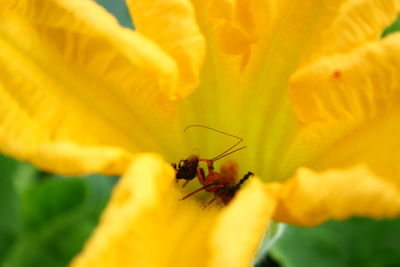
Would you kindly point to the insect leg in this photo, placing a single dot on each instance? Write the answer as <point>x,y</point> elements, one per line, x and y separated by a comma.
<point>201,188</point>
<point>243,180</point>
<point>186,182</point>
<point>211,201</point>
<point>201,175</point>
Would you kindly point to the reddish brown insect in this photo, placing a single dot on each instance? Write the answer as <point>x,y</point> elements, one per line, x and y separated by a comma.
<point>222,184</point>
<point>187,168</point>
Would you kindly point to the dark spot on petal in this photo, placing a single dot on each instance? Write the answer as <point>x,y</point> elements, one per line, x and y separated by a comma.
<point>336,74</point>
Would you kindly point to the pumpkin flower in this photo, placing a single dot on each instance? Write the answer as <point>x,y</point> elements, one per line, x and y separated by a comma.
<point>310,86</point>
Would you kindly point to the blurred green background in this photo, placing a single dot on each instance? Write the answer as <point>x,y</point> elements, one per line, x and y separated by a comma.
<point>45,219</point>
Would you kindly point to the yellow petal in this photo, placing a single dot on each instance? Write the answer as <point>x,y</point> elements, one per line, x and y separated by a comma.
<point>357,23</point>
<point>70,73</point>
<point>352,86</point>
<point>234,239</point>
<point>343,95</point>
<point>377,144</point>
<point>146,225</point>
<point>310,198</point>
<point>66,158</point>
<point>253,47</point>
<point>272,46</point>
<point>232,21</point>
<point>172,25</point>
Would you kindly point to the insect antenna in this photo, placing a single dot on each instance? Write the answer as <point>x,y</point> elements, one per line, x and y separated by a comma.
<point>225,153</point>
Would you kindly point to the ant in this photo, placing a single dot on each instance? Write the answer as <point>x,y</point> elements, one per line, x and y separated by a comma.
<point>221,184</point>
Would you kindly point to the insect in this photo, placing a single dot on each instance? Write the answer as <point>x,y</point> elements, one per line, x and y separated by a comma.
<point>187,168</point>
<point>222,184</point>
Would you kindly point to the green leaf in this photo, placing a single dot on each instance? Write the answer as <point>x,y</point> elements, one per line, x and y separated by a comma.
<point>395,27</point>
<point>356,242</point>
<point>8,205</point>
<point>119,9</point>
<point>58,215</point>
<point>10,171</point>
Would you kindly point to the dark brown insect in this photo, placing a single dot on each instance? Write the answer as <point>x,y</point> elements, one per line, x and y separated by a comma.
<point>186,168</point>
<point>222,184</point>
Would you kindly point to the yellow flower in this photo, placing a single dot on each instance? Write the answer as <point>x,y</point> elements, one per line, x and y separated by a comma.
<point>309,85</point>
